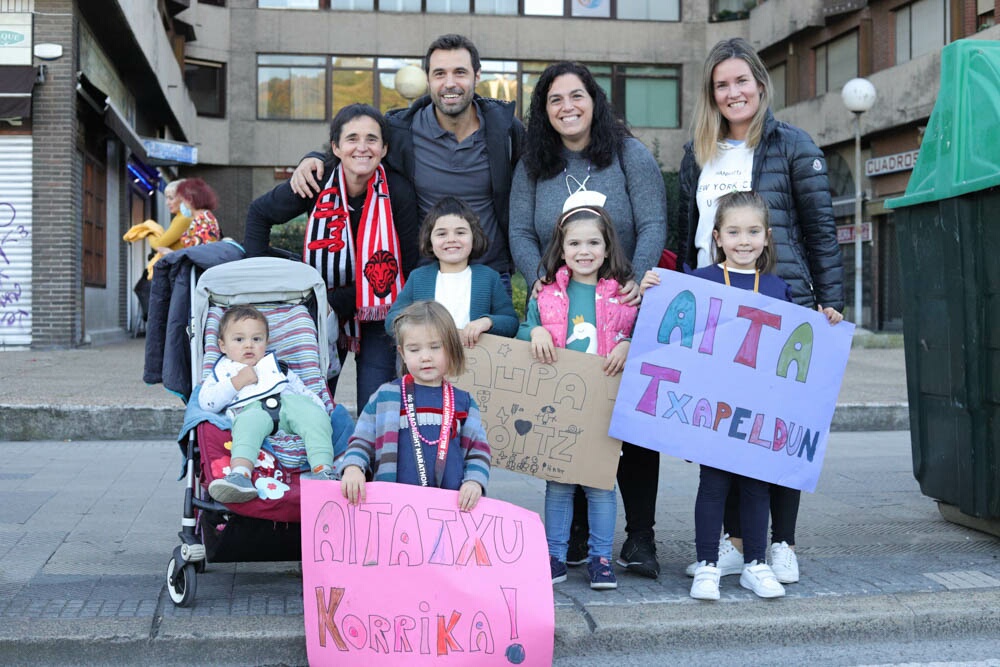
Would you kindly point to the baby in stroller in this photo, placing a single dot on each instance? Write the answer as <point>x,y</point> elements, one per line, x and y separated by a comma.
<point>260,395</point>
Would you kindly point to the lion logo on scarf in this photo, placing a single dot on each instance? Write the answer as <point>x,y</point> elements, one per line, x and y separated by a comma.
<point>381,271</point>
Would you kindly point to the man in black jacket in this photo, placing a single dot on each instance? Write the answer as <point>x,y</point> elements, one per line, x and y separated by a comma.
<point>452,142</point>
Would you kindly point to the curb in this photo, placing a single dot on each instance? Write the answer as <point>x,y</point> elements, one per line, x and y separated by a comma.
<point>580,630</point>
<point>871,417</point>
<point>692,624</point>
<point>84,422</point>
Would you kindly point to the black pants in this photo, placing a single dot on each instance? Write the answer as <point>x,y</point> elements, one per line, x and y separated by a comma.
<point>709,508</point>
<point>638,481</point>
<point>784,513</point>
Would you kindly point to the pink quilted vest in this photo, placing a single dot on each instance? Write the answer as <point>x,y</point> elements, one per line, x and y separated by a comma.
<point>614,319</point>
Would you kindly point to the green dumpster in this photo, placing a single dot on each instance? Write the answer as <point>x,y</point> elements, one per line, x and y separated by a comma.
<point>948,229</point>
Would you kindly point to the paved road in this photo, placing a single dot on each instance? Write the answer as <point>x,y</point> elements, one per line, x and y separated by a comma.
<point>86,529</point>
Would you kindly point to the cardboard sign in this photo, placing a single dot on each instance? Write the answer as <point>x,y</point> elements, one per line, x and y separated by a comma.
<point>546,420</point>
<point>732,379</point>
<point>407,578</point>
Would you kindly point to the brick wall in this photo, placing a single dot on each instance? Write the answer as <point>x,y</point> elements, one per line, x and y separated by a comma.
<point>57,299</point>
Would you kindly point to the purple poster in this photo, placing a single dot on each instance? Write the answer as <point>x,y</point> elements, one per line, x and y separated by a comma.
<point>732,379</point>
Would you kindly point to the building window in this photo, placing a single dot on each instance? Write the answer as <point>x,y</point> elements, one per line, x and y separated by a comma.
<point>288,4</point>
<point>499,80</point>
<point>504,7</point>
<point>836,63</point>
<point>369,81</point>
<point>641,10</point>
<point>448,6</point>
<point>95,188</point>
<point>206,82</point>
<point>291,87</point>
<point>921,27</point>
<point>778,74</point>
<point>399,6</point>
<point>647,96</point>
<point>731,10</point>
<point>649,10</point>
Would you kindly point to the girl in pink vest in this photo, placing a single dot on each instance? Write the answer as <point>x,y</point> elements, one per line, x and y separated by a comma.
<point>578,307</point>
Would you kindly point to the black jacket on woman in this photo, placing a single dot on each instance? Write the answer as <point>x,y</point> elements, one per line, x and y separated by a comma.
<point>789,172</point>
<point>281,205</point>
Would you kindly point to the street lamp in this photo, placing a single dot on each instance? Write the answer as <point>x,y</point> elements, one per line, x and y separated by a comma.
<point>411,82</point>
<point>859,97</point>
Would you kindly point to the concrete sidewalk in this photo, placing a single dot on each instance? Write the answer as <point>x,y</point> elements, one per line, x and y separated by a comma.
<point>97,393</point>
<point>87,528</point>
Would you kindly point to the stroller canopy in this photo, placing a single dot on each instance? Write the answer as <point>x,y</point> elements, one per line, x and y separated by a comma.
<point>261,280</point>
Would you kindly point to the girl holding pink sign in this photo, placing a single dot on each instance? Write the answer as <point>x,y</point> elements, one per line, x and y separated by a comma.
<point>419,429</point>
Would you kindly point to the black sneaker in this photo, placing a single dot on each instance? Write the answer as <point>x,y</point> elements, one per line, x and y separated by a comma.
<point>578,550</point>
<point>639,557</point>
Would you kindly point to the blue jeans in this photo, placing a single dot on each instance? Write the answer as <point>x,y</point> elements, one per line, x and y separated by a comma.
<point>602,509</point>
<point>375,362</point>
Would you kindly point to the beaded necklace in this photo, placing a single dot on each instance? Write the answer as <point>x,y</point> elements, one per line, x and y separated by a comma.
<point>447,417</point>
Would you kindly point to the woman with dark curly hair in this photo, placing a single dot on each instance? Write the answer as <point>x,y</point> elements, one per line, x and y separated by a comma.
<point>576,143</point>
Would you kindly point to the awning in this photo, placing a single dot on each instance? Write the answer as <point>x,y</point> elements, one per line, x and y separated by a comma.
<point>116,122</point>
<point>16,82</point>
<point>113,118</point>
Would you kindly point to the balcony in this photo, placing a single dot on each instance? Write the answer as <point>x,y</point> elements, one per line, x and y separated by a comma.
<point>776,20</point>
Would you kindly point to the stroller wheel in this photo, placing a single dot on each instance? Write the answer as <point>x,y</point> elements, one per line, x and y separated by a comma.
<point>181,583</point>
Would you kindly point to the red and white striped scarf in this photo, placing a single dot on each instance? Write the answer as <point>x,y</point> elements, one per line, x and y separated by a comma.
<point>331,248</point>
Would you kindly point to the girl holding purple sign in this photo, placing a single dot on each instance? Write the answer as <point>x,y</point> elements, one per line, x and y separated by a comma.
<point>744,258</point>
<point>738,144</point>
<point>578,307</point>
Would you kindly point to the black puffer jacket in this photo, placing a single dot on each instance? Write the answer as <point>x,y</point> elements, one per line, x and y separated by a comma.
<point>789,172</point>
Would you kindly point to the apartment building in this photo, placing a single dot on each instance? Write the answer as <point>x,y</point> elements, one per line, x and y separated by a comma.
<point>895,44</point>
<point>251,85</point>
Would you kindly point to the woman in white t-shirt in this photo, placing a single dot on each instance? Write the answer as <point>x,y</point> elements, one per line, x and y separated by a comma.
<point>739,145</point>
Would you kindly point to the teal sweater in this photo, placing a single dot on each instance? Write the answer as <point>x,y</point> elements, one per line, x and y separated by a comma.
<point>489,297</point>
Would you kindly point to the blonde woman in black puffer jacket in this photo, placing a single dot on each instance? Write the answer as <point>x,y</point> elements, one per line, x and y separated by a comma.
<point>739,145</point>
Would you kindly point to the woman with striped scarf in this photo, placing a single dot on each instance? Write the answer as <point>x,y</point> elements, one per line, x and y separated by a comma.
<point>361,236</point>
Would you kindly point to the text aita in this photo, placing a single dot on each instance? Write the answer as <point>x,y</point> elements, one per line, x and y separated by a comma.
<point>682,314</point>
<point>378,533</point>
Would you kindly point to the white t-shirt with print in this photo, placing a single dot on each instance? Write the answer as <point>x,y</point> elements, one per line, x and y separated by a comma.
<point>731,170</point>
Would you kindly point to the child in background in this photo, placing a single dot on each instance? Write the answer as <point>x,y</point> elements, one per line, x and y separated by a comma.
<point>419,429</point>
<point>473,294</point>
<point>744,257</point>
<point>244,382</point>
<point>578,307</point>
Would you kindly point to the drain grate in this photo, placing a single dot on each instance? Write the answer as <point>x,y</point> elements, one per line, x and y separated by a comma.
<point>959,579</point>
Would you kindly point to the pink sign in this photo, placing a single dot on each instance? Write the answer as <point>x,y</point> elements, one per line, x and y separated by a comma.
<point>407,578</point>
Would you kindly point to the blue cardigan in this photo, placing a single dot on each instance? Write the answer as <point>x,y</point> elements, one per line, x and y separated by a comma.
<point>489,297</point>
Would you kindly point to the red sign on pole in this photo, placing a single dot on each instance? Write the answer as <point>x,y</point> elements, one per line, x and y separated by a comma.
<point>845,233</point>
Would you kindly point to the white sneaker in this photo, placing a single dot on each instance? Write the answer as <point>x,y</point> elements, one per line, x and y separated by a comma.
<point>706,582</point>
<point>730,559</point>
<point>759,578</point>
<point>784,563</point>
